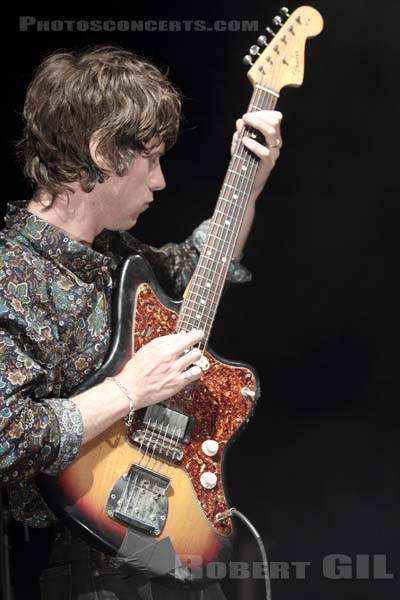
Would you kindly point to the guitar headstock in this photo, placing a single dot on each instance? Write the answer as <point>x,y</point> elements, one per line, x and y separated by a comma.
<point>281,63</point>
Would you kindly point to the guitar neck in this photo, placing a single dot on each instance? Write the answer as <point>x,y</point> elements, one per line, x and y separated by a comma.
<point>203,296</point>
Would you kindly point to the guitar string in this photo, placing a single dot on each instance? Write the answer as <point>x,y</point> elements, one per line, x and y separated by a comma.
<point>230,181</point>
<point>164,444</point>
<point>157,439</point>
<point>153,432</point>
<point>173,447</point>
<point>219,249</point>
<point>133,487</point>
<point>170,448</point>
<point>258,93</point>
<point>129,477</point>
<point>145,436</point>
<point>237,209</point>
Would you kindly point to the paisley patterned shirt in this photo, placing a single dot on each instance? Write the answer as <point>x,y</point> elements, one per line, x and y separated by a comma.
<point>55,297</point>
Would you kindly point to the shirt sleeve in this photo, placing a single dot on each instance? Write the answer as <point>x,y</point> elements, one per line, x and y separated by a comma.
<point>38,434</point>
<point>173,263</point>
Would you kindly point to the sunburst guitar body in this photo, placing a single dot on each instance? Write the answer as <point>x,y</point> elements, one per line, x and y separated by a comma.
<point>162,476</point>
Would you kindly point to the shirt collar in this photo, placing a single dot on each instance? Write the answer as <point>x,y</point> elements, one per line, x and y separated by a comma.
<point>83,261</point>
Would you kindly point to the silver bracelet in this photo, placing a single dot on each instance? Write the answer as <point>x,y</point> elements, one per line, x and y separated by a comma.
<point>129,416</point>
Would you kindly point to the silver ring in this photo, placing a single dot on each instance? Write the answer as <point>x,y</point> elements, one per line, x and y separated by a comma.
<point>276,144</point>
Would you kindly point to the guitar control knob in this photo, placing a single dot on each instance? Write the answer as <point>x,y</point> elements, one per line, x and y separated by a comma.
<point>202,363</point>
<point>208,480</point>
<point>246,391</point>
<point>210,447</point>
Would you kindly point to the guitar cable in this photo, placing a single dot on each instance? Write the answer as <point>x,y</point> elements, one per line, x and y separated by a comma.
<point>234,512</point>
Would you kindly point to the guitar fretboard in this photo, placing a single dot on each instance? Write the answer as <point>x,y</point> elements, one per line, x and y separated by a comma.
<point>205,289</point>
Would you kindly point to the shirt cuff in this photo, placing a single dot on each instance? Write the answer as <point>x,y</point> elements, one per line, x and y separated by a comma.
<point>237,273</point>
<point>70,424</point>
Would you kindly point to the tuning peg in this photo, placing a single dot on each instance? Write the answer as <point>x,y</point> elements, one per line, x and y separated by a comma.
<point>262,40</point>
<point>247,60</point>
<point>277,21</point>
<point>285,12</point>
<point>270,31</point>
<point>254,50</point>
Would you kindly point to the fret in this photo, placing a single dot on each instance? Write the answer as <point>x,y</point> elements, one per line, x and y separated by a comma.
<point>203,310</point>
<point>194,306</point>
<point>202,293</point>
<point>224,226</point>
<point>239,173</point>
<point>202,290</point>
<point>216,250</point>
<point>255,107</point>
<point>196,275</point>
<point>267,90</point>
<point>204,320</point>
<point>205,316</point>
<point>235,204</point>
<point>245,156</point>
<point>201,266</point>
<point>215,288</point>
<point>235,187</point>
<point>217,237</point>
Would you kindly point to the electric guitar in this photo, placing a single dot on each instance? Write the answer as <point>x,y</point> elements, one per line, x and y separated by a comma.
<point>154,493</point>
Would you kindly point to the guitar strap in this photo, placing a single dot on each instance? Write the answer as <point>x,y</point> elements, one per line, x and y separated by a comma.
<point>148,556</point>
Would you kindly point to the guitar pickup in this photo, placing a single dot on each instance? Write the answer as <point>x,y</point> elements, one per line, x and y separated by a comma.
<point>169,422</point>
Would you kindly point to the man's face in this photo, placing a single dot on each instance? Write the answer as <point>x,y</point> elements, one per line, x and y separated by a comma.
<point>123,199</point>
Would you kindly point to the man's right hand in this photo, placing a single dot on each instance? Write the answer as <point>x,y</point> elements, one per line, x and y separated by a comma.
<point>162,368</point>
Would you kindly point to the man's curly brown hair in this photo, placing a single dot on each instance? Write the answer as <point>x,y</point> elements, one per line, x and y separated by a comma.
<point>108,91</point>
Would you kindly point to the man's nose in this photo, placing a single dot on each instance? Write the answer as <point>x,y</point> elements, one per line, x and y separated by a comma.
<point>157,181</point>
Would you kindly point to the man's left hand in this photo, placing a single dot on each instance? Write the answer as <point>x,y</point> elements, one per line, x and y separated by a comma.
<point>267,122</point>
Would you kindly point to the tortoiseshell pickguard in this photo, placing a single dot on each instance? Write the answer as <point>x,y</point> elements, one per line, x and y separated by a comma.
<point>215,401</point>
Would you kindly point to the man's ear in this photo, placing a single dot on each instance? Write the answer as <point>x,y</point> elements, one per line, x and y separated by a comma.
<point>95,154</point>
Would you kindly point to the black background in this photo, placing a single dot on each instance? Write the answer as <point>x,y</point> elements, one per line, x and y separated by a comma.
<point>317,469</point>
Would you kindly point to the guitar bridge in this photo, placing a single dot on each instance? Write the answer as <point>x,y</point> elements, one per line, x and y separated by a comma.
<point>138,499</point>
